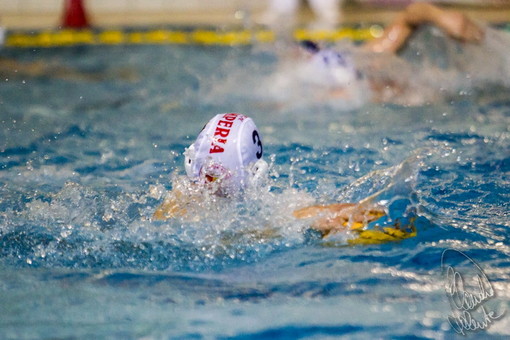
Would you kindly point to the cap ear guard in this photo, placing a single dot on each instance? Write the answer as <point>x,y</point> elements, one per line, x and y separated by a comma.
<point>257,172</point>
<point>190,161</point>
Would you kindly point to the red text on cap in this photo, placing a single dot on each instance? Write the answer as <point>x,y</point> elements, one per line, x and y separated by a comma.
<point>222,131</point>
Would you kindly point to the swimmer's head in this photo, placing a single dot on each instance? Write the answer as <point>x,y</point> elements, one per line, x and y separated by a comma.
<point>329,67</point>
<point>227,154</point>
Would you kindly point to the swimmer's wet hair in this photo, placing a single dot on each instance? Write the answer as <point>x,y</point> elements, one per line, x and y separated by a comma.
<point>310,46</point>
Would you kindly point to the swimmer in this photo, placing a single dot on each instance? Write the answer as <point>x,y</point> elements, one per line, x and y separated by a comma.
<point>225,159</point>
<point>353,73</point>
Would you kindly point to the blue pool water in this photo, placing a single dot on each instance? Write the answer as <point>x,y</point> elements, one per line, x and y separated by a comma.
<point>85,161</point>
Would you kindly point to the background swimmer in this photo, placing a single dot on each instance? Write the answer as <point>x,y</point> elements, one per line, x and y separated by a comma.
<point>351,74</point>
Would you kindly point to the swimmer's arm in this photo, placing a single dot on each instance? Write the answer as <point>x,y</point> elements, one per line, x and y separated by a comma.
<point>173,206</point>
<point>393,37</point>
<point>340,216</point>
<point>315,210</point>
<point>454,23</point>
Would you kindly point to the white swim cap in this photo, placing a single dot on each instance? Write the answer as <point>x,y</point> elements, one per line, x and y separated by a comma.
<point>227,151</point>
<point>328,67</point>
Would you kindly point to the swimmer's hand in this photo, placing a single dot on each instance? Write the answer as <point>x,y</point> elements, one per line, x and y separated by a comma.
<point>460,27</point>
<point>340,216</point>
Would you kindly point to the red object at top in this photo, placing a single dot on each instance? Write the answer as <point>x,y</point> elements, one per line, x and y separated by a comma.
<point>74,15</point>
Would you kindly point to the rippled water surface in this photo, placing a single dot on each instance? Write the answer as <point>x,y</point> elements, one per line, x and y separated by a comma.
<point>88,151</point>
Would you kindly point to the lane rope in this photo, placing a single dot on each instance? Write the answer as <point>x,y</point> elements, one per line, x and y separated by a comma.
<point>69,37</point>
